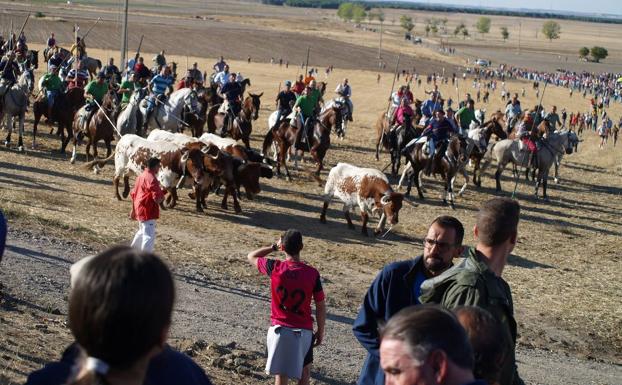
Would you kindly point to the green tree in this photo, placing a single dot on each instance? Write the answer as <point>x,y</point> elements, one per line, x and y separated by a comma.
<point>598,53</point>
<point>407,23</point>
<point>483,25</point>
<point>380,16</point>
<point>358,13</point>
<point>551,29</point>
<point>465,33</point>
<point>434,29</point>
<point>583,52</point>
<point>505,33</point>
<point>427,30</point>
<point>345,11</point>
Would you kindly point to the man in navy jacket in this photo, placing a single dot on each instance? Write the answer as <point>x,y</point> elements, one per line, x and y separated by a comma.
<point>399,285</point>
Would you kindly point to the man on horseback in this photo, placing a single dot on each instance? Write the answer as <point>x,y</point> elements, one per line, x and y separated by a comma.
<point>284,102</point>
<point>76,78</point>
<point>553,119</point>
<point>309,78</point>
<point>158,86</point>
<point>160,59</point>
<point>196,75</point>
<point>94,94</point>
<point>112,73</point>
<point>222,77</point>
<point>465,116</point>
<point>79,47</point>
<point>430,107</point>
<point>437,132</point>
<point>142,72</point>
<point>51,43</point>
<point>299,86</point>
<point>220,65</point>
<point>127,88</point>
<point>306,106</point>
<point>53,86</point>
<point>345,92</point>
<point>8,76</point>
<point>527,134</point>
<point>231,92</point>
<point>512,113</point>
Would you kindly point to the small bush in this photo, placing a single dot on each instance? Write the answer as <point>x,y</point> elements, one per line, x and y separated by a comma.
<point>39,14</point>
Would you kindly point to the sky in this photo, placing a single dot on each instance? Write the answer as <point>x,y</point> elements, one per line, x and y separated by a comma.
<point>592,6</point>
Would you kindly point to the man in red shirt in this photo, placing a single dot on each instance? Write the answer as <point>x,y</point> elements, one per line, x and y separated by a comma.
<point>299,86</point>
<point>292,284</point>
<point>146,196</point>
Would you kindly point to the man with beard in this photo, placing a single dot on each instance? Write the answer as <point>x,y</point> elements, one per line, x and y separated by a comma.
<point>399,285</point>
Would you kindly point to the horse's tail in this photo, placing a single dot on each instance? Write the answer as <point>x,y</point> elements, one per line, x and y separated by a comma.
<point>98,162</point>
<point>267,141</point>
<point>99,63</point>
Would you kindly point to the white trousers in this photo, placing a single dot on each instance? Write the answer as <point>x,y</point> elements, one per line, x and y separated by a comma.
<point>144,239</point>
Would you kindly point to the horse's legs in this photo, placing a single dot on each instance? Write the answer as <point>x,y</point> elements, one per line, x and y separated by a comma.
<point>282,154</point>
<point>466,181</point>
<point>417,177</point>
<point>108,147</point>
<point>9,127</point>
<point>20,141</point>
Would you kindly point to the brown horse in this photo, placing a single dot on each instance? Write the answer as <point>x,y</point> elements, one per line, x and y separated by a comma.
<point>63,111</point>
<point>241,127</point>
<point>98,127</point>
<point>197,121</point>
<point>447,166</point>
<point>493,126</point>
<point>394,140</point>
<point>285,136</point>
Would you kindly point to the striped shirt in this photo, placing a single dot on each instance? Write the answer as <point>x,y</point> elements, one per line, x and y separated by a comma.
<point>161,83</point>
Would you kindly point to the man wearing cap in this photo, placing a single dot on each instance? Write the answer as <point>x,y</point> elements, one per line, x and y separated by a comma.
<point>158,85</point>
<point>306,105</point>
<point>284,102</point>
<point>53,85</point>
<point>95,92</point>
<point>345,91</point>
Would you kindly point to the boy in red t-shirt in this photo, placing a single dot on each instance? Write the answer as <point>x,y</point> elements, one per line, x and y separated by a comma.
<point>292,284</point>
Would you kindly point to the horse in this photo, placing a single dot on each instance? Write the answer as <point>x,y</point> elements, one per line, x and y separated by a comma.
<point>91,64</point>
<point>127,122</point>
<point>574,141</point>
<point>480,138</point>
<point>16,104</point>
<point>447,166</point>
<point>197,121</point>
<point>394,139</point>
<point>99,127</point>
<point>239,128</point>
<point>345,114</point>
<point>318,143</point>
<point>63,111</point>
<point>168,115</point>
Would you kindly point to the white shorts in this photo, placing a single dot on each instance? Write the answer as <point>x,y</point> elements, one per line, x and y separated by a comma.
<point>287,348</point>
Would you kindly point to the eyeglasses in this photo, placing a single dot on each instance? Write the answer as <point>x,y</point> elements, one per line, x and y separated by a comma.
<point>442,246</point>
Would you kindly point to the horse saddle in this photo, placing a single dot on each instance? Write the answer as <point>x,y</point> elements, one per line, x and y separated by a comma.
<point>426,148</point>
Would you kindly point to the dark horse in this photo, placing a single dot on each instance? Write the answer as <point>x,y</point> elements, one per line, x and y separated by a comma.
<point>285,136</point>
<point>98,127</point>
<point>241,127</point>
<point>446,164</point>
<point>63,111</point>
<point>394,140</point>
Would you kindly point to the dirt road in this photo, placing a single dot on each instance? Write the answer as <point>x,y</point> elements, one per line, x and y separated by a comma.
<point>35,270</point>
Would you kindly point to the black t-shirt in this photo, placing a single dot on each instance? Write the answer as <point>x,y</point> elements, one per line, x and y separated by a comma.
<point>285,98</point>
<point>232,90</point>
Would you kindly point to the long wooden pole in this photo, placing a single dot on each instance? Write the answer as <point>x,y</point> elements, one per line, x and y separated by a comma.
<point>307,64</point>
<point>397,66</point>
<point>90,29</point>
<point>124,35</point>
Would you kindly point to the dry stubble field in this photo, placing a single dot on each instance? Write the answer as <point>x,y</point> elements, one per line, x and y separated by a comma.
<point>563,273</point>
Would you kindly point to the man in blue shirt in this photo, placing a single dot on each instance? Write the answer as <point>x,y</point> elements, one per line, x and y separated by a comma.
<point>398,286</point>
<point>430,106</point>
<point>158,86</point>
<point>232,93</point>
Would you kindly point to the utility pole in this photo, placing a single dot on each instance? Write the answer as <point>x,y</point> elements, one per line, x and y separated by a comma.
<point>124,35</point>
<point>380,45</point>
<point>519,31</point>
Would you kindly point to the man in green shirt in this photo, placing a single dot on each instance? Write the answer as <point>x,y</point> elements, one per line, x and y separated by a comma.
<point>477,281</point>
<point>306,105</point>
<point>53,85</point>
<point>95,92</point>
<point>127,89</point>
<point>465,116</point>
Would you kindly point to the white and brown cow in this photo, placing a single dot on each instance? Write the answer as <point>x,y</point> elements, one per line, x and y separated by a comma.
<point>132,153</point>
<point>367,188</point>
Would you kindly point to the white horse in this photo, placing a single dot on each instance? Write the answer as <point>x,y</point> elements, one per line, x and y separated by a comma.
<point>127,121</point>
<point>573,140</point>
<point>480,115</point>
<point>16,104</point>
<point>168,115</point>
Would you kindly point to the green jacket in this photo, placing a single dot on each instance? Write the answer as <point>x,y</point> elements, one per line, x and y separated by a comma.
<point>52,82</point>
<point>471,283</point>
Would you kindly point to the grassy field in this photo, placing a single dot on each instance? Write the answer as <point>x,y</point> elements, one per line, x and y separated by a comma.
<point>563,274</point>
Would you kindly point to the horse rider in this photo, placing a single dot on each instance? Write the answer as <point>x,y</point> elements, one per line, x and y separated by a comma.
<point>512,113</point>
<point>186,82</point>
<point>22,39</point>
<point>430,107</point>
<point>345,92</point>
<point>53,86</point>
<point>196,74</point>
<point>51,43</point>
<point>160,59</point>
<point>465,116</point>
<point>553,119</point>
<point>56,59</point>
<point>10,44</point>
<point>220,65</point>
<point>223,76</point>
<point>309,78</point>
<point>158,86</point>
<point>79,47</point>
<point>94,94</point>
<point>299,86</point>
<point>284,103</point>
<point>113,75</point>
<point>76,78</point>
<point>8,75</point>
<point>527,134</point>
<point>231,92</point>
<point>21,51</point>
<point>127,88</point>
<point>306,107</point>
<point>437,132</point>
<point>404,115</point>
<point>142,72</point>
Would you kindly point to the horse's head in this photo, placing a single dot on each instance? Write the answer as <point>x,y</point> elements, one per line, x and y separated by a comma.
<point>495,126</point>
<point>322,87</point>
<point>27,79</point>
<point>191,102</point>
<point>255,104</point>
<point>458,148</point>
<point>111,100</point>
<point>574,140</point>
<point>332,118</point>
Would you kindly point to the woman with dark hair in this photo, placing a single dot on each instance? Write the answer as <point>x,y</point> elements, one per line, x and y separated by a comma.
<point>120,313</point>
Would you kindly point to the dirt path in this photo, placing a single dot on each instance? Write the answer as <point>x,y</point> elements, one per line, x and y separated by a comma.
<point>35,275</point>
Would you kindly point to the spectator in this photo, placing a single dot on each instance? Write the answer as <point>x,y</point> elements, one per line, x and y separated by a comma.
<point>477,280</point>
<point>425,345</point>
<point>131,334</point>
<point>398,285</point>
<point>293,283</point>
<point>484,334</point>
<point>146,196</point>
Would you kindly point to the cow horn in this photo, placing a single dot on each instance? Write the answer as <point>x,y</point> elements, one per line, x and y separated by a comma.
<point>214,156</point>
<point>385,200</point>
